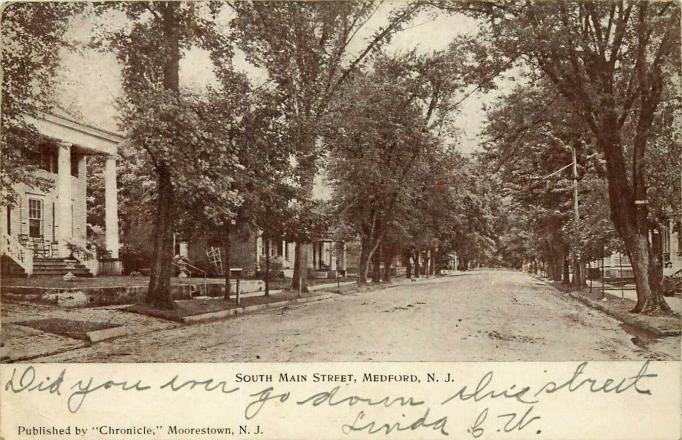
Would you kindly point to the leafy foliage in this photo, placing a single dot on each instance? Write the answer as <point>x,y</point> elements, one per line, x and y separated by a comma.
<point>31,39</point>
<point>394,183</point>
<point>610,61</point>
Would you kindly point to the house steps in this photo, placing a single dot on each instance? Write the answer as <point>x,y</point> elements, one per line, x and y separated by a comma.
<point>59,267</point>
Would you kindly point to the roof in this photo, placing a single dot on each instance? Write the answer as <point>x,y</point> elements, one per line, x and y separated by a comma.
<point>66,115</point>
<point>61,125</point>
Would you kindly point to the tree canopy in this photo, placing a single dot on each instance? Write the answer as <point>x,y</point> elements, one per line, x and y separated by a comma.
<point>31,40</point>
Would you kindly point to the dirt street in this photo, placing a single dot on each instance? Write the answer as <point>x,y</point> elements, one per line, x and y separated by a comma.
<point>473,316</point>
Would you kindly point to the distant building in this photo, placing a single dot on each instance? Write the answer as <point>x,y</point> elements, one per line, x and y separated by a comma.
<point>617,265</point>
<point>47,227</point>
<point>247,253</point>
<point>671,241</point>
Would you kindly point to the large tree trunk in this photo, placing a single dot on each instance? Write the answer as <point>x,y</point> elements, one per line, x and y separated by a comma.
<point>388,261</point>
<point>578,274</point>
<point>629,215</point>
<point>171,31</point>
<point>297,262</point>
<point>303,268</point>
<point>368,253</point>
<point>555,262</point>
<point>300,267</point>
<point>417,269</point>
<point>226,259</point>
<point>159,292</point>
<point>408,265</point>
<point>566,278</point>
<point>363,269</point>
<point>557,268</point>
<point>376,266</point>
<point>635,236</point>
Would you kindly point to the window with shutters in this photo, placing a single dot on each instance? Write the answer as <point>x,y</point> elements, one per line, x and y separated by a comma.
<point>35,217</point>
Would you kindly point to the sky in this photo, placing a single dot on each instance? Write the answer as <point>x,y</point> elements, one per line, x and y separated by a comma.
<point>90,81</point>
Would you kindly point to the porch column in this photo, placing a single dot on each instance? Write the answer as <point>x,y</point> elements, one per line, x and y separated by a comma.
<point>63,212</point>
<point>310,255</point>
<point>80,215</point>
<point>259,250</point>
<point>314,256</point>
<point>111,207</point>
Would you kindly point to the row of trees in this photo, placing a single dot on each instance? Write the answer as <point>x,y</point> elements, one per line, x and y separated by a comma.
<point>238,155</point>
<point>241,156</point>
<point>399,184</point>
<point>615,67</point>
<point>598,78</point>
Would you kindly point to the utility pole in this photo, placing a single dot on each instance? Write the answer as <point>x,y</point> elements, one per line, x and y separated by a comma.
<point>576,215</point>
<point>577,275</point>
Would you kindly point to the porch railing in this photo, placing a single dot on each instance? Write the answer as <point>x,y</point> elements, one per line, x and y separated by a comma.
<point>87,258</point>
<point>17,252</point>
<point>187,268</point>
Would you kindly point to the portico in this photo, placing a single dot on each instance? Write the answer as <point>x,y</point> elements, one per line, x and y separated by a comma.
<point>52,224</point>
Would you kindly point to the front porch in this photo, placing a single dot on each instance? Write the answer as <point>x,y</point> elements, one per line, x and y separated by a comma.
<point>325,258</point>
<point>51,225</point>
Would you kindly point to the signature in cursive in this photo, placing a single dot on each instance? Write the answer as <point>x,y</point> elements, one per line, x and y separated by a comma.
<point>373,427</point>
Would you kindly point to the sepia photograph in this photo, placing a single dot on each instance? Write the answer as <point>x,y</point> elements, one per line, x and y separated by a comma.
<point>340,181</point>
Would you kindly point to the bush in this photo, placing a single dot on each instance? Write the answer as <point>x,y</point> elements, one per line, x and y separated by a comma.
<point>134,258</point>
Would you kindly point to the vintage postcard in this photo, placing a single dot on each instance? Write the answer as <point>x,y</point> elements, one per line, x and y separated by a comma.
<point>340,219</point>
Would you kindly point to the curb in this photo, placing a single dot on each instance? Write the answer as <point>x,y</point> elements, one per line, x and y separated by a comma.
<point>215,316</point>
<point>10,360</point>
<point>626,318</point>
<point>108,333</point>
<point>631,320</point>
<point>121,331</point>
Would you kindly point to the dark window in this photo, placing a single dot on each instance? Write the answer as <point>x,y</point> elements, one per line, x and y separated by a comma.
<point>9,220</point>
<point>35,217</point>
<point>33,157</point>
<point>75,157</point>
<point>43,156</point>
<point>48,158</point>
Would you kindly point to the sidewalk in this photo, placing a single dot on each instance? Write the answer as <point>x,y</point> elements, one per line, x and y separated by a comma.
<point>675,302</point>
<point>20,342</point>
<point>57,334</point>
<point>619,307</point>
<point>312,288</point>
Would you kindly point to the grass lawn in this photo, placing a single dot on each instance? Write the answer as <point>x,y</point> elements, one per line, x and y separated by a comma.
<point>198,306</point>
<point>66,327</point>
<point>618,306</point>
<point>128,281</point>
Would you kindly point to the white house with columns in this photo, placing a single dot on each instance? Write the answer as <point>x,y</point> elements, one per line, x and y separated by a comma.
<point>45,228</point>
